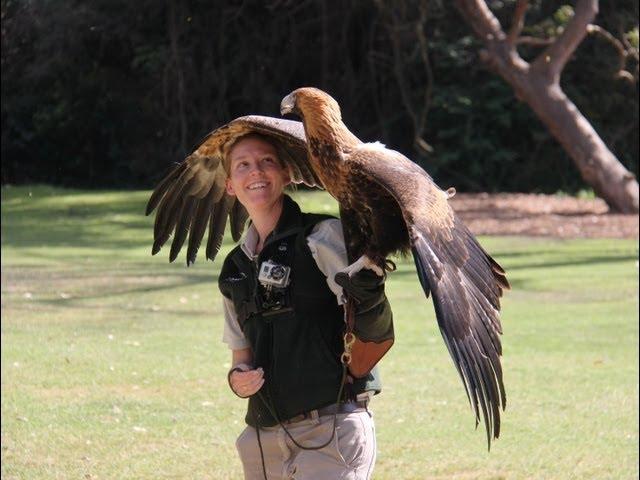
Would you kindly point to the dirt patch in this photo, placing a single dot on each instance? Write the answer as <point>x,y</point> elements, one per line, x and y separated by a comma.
<point>542,215</point>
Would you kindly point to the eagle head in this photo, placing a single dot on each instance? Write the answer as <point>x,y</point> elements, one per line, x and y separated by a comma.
<point>307,99</point>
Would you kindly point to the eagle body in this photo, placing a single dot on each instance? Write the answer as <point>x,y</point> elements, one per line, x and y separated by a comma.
<point>388,205</point>
<point>372,221</point>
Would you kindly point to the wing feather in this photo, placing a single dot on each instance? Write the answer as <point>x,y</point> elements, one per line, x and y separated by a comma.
<point>237,217</point>
<point>199,225</point>
<point>182,229</point>
<point>169,214</point>
<point>163,186</point>
<point>217,224</point>
<point>465,282</point>
<point>192,196</point>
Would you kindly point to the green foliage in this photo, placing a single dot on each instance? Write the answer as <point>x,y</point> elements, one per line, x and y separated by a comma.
<point>112,365</point>
<point>632,37</point>
<point>564,14</point>
<point>109,92</point>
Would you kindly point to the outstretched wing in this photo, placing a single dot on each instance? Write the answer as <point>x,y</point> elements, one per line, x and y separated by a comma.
<point>193,194</point>
<point>466,283</point>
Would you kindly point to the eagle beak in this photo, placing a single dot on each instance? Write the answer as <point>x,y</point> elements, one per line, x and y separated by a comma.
<point>288,104</point>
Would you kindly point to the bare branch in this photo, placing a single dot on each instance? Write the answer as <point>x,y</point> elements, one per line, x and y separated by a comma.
<point>623,53</point>
<point>617,44</point>
<point>498,54</point>
<point>535,41</point>
<point>623,48</point>
<point>481,19</point>
<point>518,21</point>
<point>556,56</point>
<point>627,76</point>
<point>424,55</point>
<point>398,67</point>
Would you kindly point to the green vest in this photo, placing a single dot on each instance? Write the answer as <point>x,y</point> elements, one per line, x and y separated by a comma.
<point>295,333</point>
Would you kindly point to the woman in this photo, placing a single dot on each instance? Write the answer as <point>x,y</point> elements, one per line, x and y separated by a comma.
<point>284,319</point>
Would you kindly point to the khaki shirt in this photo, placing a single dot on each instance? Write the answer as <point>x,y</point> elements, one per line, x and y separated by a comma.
<point>326,242</point>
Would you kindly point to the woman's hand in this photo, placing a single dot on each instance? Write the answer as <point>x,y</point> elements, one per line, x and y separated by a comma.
<point>244,381</point>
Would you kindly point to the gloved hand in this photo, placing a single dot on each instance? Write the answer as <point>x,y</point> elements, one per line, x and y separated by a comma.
<point>364,286</point>
<point>373,317</point>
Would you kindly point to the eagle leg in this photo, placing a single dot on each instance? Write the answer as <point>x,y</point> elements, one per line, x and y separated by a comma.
<point>363,262</point>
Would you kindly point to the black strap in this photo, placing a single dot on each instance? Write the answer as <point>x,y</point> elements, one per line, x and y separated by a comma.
<point>275,415</point>
<point>273,412</point>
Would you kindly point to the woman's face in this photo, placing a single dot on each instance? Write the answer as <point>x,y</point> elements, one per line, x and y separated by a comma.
<point>256,176</point>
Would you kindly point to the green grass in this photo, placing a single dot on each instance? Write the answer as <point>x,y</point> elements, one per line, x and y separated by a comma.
<point>113,368</point>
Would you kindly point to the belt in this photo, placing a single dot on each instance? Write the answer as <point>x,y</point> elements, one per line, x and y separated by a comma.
<point>347,407</point>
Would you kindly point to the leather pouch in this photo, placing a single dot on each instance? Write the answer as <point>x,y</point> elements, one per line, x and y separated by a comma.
<point>365,355</point>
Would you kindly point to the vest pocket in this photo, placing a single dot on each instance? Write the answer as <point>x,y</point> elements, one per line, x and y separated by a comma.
<point>240,289</point>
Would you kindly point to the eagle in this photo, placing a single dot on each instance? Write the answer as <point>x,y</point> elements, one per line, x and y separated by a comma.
<point>388,206</point>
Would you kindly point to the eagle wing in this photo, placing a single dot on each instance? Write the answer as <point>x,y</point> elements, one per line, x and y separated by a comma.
<point>466,283</point>
<point>193,194</point>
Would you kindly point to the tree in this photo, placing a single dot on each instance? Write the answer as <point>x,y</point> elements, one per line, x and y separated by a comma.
<point>537,83</point>
<point>105,93</point>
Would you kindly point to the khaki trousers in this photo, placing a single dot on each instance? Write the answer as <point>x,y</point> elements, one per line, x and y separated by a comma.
<point>350,455</point>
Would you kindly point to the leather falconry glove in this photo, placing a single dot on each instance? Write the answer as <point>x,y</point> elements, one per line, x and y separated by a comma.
<point>373,317</point>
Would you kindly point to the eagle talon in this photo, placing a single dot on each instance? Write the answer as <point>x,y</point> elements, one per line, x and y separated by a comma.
<point>361,263</point>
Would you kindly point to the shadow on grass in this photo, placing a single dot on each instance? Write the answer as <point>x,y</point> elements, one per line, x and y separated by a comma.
<point>45,216</point>
<point>108,222</point>
<point>125,308</point>
<point>109,281</point>
<point>574,262</point>
<point>584,259</point>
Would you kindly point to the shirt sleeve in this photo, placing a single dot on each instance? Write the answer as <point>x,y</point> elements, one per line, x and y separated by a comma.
<point>326,242</point>
<point>232,334</point>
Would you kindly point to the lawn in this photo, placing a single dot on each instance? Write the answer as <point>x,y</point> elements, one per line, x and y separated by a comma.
<point>113,366</point>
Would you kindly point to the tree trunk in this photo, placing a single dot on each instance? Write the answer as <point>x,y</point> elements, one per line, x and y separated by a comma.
<point>597,165</point>
<point>538,84</point>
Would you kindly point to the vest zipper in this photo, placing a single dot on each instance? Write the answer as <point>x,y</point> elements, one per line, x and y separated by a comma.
<point>269,374</point>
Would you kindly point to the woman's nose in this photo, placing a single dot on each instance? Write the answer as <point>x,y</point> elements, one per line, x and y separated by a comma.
<point>257,168</point>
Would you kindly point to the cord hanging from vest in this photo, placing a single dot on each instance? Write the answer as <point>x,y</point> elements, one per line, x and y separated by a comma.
<point>275,415</point>
<point>348,341</point>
